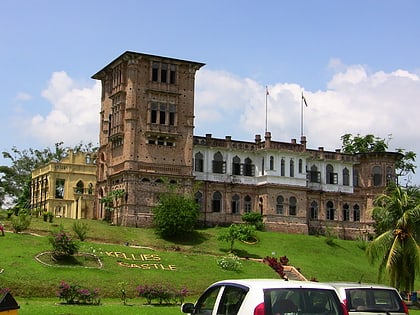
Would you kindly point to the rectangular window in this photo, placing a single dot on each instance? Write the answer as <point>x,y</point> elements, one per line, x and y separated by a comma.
<point>153,113</point>
<point>172,75</point>
<point>59,188</point>
<point>162,114</point>
<point>155,71</point>
<point>172,115</point>
<point>164,73</point>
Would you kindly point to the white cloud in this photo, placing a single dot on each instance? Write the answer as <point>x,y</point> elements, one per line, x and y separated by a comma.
<point>23,96</point>
<point>355,101</point>
<point>74,116</point>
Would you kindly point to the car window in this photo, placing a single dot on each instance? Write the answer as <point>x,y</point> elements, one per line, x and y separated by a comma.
<point>231,300</point>
<point>299,301</point>
<point>372,299</point>
<point>207,302</point>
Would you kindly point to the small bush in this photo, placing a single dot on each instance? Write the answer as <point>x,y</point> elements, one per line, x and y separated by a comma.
<point>276,265</point>
<point>81,229</point>
<point>74,294</point>
<point>63,245</point>
<point>255,219</point>
<point>230,262</point>
<point>21,222</point>
<point>162,293</point>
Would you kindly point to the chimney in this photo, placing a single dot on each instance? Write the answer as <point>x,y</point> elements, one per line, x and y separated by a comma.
<point>293,141</point>
<point>257,138</point>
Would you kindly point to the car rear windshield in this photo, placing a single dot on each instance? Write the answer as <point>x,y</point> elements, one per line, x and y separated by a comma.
<point>373,300</point>
<point>300,301</point>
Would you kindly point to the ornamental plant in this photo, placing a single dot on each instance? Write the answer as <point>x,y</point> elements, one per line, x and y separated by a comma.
<point>276,265</point>
<point>63,245</point>
<point>164,294</point>
<point>75,294</point>
<point>230,262</point>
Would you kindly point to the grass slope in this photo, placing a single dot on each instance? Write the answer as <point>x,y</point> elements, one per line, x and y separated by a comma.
<point>192,258</point>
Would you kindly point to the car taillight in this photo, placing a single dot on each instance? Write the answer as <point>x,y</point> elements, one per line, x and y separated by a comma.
<point>259,310</point>
<point>344,307</point>
<point>405,307</point>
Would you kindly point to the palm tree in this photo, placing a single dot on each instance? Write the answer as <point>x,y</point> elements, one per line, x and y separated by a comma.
<point>397,216</point>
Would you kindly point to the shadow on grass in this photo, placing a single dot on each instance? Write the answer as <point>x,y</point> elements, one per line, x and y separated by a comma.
<point>241,253</point>
<point>190,238</point>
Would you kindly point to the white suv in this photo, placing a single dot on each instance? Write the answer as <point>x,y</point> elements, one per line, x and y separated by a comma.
<point>363,299</point>
<point>267,297</point>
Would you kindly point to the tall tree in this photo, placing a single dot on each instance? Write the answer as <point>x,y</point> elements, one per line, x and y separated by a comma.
<point>397,223</point>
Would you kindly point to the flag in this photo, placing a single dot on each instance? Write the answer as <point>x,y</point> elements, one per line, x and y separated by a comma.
<point>304,100</point>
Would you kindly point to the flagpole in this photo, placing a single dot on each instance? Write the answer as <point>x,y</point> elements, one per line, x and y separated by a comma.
<point>301,114</point>
<point>266,114</point>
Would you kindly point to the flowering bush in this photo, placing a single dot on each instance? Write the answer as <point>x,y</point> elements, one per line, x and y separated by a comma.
<point>276,265</point>
<point>3,291</point>
<point>63,245</point>
<point>74,294</point>
<point>163,294</point>
<point>230,262</point>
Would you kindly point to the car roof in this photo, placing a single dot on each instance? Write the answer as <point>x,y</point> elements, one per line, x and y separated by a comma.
<point>275,283</point>
<point>354,285</point>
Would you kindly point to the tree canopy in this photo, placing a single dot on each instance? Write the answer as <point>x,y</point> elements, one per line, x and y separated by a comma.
<point>397,225</point>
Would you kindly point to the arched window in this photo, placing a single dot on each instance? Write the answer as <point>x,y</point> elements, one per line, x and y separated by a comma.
<point>80,187</point>
<point>280,205</point>
<point>292,168</point>
<point>87,159</point>
<point>199,162</point>
<point>247,204</point>
<point>314,210</point>
<point>346,177</point>
<point>330,210</point>
<point>219,166</point>
<point>235,203</point>
<point>271,163</point>
<point>300,166</point>
<point>331,176</point>
<point>356,213</point>
<point>236,165</point>
<point>315,175</point>
<point>90,189</point>
<point>282,167</point>
<point>377,176</point>
<point>346,212</point>
<point>249,168</point>
<point>216,202</point>
<point>292,205</point>
<point>199,200</point>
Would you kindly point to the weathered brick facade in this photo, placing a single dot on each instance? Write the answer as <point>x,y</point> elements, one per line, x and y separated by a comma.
<point>146,134</point>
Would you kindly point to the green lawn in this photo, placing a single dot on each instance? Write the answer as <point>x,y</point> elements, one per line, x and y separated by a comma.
<point>188,262</point>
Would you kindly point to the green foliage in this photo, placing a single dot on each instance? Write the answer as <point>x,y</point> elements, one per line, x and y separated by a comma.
<point>163,293</point>
<point>362,144</point>
<point>406,164</point>
<point>230,262</point>
<point>396,247</point>
<point>75,294</point>
<point>255,219</point>
<point>81,229</point>
<point>21,222</point>
<point>175,214</point>
<point>237,232</point>
<point>63,245</point>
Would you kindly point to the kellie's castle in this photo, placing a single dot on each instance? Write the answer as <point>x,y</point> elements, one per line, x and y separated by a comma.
<point>147,133</point>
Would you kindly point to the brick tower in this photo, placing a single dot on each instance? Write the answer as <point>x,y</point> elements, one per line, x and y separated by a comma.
<point>146,132</point>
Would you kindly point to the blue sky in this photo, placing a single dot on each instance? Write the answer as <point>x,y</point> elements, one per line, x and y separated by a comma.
<point>356,61</point>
